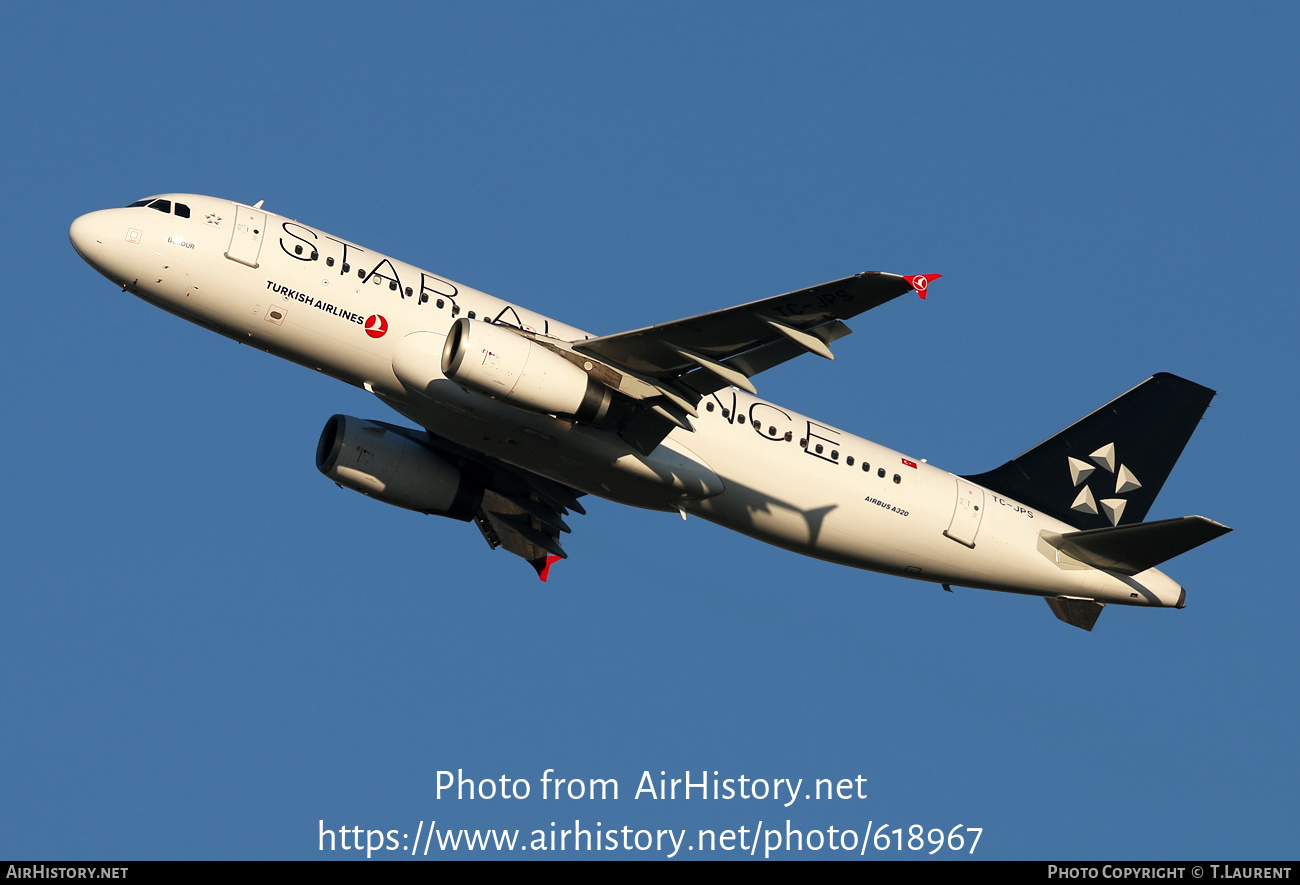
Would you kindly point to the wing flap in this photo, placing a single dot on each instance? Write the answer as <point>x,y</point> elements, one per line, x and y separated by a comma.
<point>525,526</point>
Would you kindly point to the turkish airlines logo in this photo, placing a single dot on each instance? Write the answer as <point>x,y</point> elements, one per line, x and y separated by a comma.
<point>376,326</point>
<point>921,282</point>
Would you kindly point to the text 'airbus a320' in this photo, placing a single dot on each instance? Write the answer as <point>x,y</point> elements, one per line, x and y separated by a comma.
<point>522,415</point>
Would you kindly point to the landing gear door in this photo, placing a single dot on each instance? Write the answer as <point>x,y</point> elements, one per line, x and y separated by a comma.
<point>967,514</point>
<point>246,235</point>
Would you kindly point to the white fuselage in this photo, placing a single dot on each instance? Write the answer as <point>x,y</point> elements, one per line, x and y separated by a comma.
<point>750,465</point>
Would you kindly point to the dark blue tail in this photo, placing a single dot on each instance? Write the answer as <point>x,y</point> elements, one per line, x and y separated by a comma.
<point>1107,468</point>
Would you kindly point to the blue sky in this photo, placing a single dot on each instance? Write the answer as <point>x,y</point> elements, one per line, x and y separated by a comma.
<point>209,648</point>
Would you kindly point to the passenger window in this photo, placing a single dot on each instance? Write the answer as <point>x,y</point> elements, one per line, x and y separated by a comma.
<point>819,448</point>
<point>408,291</point>
<point>849,460</point>
<point>881,473</point>
<point>297,250</point>
<point>471,314</point>
<point>866,468</point>
<point>392,287</point>
<point>709,406</point>
<point>897,479</point>
<point>439,303</point>
<point>182,210</point>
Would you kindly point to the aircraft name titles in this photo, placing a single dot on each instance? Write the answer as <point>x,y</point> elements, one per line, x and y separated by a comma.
<point>319,304</point>
<point>384,269</point>
<point>774,424</point>
<point>432,287</point>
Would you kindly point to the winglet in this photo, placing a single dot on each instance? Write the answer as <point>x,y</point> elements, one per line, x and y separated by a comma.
<point>543,565</point>
<point>922,281</point>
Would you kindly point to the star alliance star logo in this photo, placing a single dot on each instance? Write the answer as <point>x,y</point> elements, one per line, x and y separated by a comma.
<point>1105,459</point>
<point>214,220</point>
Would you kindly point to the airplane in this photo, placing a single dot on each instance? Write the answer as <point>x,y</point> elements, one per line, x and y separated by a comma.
<point>522,415</point>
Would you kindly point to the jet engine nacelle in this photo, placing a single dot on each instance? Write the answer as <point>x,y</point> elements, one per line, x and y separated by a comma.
<point>493,360</point>
<point>376,460</point>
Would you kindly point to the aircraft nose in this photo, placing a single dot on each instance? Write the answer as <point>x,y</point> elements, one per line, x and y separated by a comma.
<point>86,234</point>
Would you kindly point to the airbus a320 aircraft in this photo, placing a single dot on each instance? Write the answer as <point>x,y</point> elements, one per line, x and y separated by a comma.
<point>523,415</point>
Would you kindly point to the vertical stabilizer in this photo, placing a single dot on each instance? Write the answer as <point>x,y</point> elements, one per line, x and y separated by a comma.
<point>1106,469</point>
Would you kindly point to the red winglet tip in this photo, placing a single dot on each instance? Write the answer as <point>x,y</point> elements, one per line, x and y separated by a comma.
<point>543,565</point>
<point>921,282</point>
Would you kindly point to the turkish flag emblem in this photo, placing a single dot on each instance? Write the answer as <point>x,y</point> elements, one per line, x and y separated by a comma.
<point>921,282</point>
<point>376,326</point>
<point>911,464</point>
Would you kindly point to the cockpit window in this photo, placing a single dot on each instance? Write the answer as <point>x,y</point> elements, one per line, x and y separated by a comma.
<point>164,206</point>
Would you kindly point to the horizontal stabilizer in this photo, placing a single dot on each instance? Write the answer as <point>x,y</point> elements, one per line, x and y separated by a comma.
<point>1081,613</point>
<point>1129,549</point>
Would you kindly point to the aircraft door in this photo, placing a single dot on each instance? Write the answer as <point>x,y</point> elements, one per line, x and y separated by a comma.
<point>967,514</point>
<point>246,235</point>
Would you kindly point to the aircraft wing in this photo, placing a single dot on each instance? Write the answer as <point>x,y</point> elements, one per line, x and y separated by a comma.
<point>527,520</point>
<point>669,368</point>
<point>704,353</point>
<point>518,511</point>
